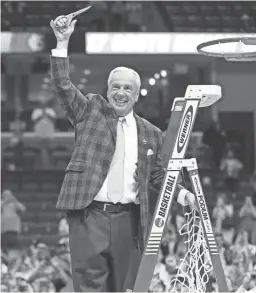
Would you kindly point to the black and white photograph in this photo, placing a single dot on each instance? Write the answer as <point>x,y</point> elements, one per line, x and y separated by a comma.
<point>128,146</point>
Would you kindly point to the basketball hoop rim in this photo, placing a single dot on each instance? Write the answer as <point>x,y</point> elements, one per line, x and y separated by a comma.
<point>223,41</point>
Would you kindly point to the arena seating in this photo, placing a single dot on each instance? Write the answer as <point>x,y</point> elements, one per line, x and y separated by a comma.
<point>186,16</point>
<point>24,15</point>
<point>209,16</point>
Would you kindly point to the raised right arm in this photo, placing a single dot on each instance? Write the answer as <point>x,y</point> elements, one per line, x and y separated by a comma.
<point>73,102</point>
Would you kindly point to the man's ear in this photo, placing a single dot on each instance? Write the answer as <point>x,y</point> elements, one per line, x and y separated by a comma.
<point>108,93</point>
<point>137,95</point>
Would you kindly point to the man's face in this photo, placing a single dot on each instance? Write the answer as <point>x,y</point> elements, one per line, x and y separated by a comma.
<point>228,256</point>
<point>171,262</point>
<point>123,92</point>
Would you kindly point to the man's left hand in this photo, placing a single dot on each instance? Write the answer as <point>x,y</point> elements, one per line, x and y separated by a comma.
<point>191,200</point>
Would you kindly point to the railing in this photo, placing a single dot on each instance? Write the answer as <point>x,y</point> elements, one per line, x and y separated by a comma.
<point>36,180</point>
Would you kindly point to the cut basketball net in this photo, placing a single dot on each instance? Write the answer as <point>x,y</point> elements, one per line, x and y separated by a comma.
<point>194,269</point>
<point>232,49</point>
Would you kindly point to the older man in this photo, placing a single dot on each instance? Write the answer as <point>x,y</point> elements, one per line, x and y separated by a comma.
<point>105,189</point>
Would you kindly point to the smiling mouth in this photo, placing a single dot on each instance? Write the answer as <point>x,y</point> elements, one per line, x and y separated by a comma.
<point>118,102</point>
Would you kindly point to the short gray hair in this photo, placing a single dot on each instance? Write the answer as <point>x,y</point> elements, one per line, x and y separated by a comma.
<point>128,70</point>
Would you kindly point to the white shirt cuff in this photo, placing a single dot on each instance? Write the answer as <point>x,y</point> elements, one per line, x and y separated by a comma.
<point>63,53</point>
<point>181,197</point>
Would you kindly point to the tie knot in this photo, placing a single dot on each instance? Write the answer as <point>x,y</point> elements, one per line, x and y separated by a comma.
<point>121,119</point>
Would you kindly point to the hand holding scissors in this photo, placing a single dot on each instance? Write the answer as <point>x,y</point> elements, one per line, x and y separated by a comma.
<point>63,26</point>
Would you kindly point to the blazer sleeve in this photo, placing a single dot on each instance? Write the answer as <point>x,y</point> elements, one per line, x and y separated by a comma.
<point>158,172</point>
<point>73,102</point>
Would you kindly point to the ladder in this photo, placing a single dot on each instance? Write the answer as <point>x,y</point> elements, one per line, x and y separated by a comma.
<point>184,112</point>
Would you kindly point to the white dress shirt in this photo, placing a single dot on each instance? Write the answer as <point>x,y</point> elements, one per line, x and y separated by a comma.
<point>131,158</point>
<point>130,164</point>
<point>60,53</point>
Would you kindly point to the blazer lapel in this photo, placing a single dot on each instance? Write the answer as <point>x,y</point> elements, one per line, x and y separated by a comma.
<point>111,118</point>
<point>142,144</point>
<point>142,159</point>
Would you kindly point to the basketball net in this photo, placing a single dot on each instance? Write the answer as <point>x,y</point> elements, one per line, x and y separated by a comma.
<point>194,269</point>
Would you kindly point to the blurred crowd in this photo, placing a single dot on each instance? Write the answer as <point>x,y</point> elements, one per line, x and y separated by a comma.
<point>108,16</point>
<point>37,268</point>
<point>42,268</point>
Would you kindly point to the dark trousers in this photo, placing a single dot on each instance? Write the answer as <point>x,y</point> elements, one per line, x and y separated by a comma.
<point>104,250</point>
<point>9,240</point>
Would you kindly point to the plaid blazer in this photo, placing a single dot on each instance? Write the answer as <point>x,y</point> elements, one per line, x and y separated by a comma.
<point>95,125</point>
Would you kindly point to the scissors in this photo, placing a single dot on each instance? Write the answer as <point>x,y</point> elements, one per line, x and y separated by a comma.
<point>74,14</point>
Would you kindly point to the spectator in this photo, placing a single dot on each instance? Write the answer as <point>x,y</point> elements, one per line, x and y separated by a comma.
<point>171,262</point>
<point>247,215</point>
<point>63,227</point>
<point>16,146</point>
<point>245,283</point>
<point>11,221</point>
<point>253,185</point>
<point>181,284</point>
<point>228,258</point>
<point>18,126</point>
<point>223,217</point>
<point>215,138</point>
<point>182,247</point>
<point>157,285</point>
<point>160,268</point>
<point>44,117</point>
<point>168,241</point>
<point>172,236</point>
<point>252,285</point>
<point>221,247</point>
<point>229,282</point>
<point>232,168</point>
<point>243,254</point>
<point>171,265</point>
<point>64,240</point>
<point>44,124</point>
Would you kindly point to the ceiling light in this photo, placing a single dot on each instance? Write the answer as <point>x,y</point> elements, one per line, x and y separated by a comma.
<point>152,81</point>
<point>83,80</point>
<point>44,86</point>
<point>87,72</point>
<point>80,86</point>
<point>143,92</point>
<point>163,73</point>
<point>156,75</point>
